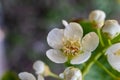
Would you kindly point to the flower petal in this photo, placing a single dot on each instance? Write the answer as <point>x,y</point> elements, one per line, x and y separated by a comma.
<point>114,59</point>
<point>90,41</point>
<point>39,67</point>
<point>65,23</point>
<point>61,75</point>
<point>40,77</point>
<point>81,58</point>
<point>55,38</point>
<point>26,76</point>
<point>56,56</point>
<point>113,49</point>
<point>73,31</point>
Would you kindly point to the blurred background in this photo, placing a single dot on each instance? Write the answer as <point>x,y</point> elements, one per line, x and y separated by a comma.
<point>26,23</point>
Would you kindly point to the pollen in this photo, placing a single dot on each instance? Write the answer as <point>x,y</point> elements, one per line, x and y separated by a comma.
<point>117,53</point>
<point>71,48</point>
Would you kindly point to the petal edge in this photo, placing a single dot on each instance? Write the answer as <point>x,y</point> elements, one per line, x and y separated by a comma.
<point>90,41</point>
<point>56,56</point>
<point>55,37</point>
<point>83,57</point>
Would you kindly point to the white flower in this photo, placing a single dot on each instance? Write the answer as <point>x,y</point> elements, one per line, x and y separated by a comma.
<point>68,44</point>
<point>97,17</point>
<point>28,76</point>
<point>41,70</point>
<point>71,73</point>
<point>113,56</point>
<point>111,28</point>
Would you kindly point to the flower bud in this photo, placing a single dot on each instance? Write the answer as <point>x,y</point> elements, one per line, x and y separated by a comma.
<point>111,28</point>
<point>97,17</point>
<point>41,68</point>
<point>71,73</point>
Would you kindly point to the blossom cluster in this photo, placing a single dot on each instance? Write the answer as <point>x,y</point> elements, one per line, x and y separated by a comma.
<point>72,46</point>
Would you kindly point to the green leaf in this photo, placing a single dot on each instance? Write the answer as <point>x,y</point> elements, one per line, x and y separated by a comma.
<point>10,75</point>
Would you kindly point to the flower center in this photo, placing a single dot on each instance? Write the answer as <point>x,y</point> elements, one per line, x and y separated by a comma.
<point>117,53</point>
<point>71,48</point>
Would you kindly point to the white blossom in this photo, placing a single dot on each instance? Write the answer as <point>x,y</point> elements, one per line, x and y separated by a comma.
<point>111,28</point>
<point>41,70</point>
<point>69,44</point>
<point>71,73</point>
<point>29,76</point>
<point>113,56</point>
<point>97,17</point>
<point>26,76</point>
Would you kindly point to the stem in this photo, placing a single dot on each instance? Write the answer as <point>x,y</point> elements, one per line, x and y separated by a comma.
<point>104,68</point>
<point>87,69</point>
<point>89,65</point>
<point>100,37</point>
<point>55,76</point>
<point>109,42</point>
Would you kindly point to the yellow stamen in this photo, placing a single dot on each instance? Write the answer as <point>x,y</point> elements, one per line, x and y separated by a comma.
<point>71,48</point>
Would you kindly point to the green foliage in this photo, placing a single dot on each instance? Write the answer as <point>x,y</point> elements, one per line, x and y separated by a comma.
<point>107,6</point>
<point>96,73</point>
<point>10,75</point>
